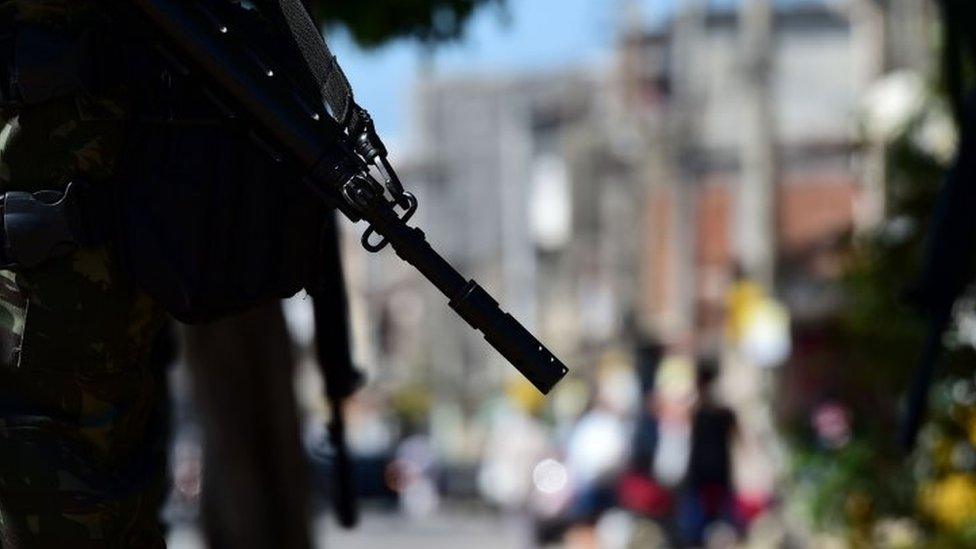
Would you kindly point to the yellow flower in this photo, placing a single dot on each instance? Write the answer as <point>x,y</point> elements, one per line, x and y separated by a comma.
<point>951,501</point>
<point>741,302</point>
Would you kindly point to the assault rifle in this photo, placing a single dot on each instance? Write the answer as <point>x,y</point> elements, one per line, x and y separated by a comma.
<point>335,143</point>
<point>299,105</point>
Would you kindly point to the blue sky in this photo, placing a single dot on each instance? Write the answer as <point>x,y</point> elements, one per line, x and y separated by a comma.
<point>535,34</point>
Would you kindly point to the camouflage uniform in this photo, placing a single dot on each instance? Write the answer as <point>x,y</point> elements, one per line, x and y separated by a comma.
<point>81,458</point>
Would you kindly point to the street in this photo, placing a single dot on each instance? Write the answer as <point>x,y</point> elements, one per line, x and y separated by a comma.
<point>447,530</point>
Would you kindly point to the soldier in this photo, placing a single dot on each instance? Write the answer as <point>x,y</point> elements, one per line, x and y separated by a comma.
<point>82,450</point>
<point>86,105</point>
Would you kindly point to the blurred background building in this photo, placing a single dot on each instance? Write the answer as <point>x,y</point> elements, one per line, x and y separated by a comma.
<point>604,204</point>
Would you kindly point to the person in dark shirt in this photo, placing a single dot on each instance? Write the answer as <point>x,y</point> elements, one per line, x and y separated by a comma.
<point>709,493</point>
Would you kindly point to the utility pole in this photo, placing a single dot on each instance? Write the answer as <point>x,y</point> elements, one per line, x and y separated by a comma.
<point>755,203</point>
<point>689,40</point>
<point>755,217</point>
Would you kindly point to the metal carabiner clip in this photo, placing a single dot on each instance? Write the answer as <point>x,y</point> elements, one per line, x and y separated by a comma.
<point>410,210</point>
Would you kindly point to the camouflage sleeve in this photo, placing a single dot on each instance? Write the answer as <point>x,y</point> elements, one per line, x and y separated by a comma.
<point>81,458</point>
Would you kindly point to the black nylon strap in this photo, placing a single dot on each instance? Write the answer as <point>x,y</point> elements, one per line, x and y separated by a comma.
<point>331,321</point>
<point>330,82</point>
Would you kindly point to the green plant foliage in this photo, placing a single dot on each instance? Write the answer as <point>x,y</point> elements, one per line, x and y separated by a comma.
<point>850,489</point>
<point>881,330</point>
<point>375,22</point>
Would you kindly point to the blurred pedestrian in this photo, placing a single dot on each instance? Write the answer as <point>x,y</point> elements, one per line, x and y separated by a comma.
<point>516,442</point>
<point>416,468</point>
<point>638,491</point>
<point>708,498</point>
<point>595,455</point>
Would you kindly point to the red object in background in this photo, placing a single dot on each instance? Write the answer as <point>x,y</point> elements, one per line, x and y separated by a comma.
<point>748,507</point>
<point>641,494</point>
<point>832,423</point>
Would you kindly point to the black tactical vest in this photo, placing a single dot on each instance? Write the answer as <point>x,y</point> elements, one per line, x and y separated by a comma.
<point>205,217</point>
